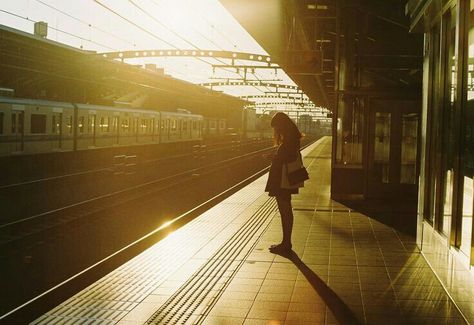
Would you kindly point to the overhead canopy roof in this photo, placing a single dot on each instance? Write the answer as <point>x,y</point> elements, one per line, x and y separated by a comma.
<point>302,35</point>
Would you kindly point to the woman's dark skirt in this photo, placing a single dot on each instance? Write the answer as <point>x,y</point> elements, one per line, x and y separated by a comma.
<point>283,193</point>
<point>274,182</point>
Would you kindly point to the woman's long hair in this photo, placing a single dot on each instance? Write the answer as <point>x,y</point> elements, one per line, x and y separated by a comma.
<point>284,128</point>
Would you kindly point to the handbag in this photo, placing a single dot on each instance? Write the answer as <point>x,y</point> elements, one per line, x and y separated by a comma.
<point>293,174</point>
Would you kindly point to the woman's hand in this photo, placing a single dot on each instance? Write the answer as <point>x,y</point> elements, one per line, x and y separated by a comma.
<point>269,156</point>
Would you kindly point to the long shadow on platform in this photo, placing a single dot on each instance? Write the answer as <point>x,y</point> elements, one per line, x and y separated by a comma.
<point>341,311</point>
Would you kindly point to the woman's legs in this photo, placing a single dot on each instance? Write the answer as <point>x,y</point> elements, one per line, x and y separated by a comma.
<point>286,212</point>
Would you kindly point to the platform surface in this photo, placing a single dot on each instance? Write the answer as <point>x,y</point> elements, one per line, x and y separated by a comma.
<point>346,268</point>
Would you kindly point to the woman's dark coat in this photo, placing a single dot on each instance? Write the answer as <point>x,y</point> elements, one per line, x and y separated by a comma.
<point>286,152</point>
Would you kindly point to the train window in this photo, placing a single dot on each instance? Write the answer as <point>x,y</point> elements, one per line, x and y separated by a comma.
<point>115,123</point>
<point>38,123</point>
<point>13,123</point>
<point>185,125</point>
<point>135,125</point>
<point>212,124</point>
<point>144,125</point>
<point>91,124</point>
<point>173,125</point>
<point>104,124</point>
<point>81,124</point>
<point>69,124</point>
<point>125,125</point>
<point>55,124</point>
<point>1,122</point>
<point>194,125</point>
<point>17,126</point>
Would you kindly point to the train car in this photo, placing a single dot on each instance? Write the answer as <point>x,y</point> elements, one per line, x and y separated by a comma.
<point>180,126</point>
<point>30,126</point>
<point>101,126</point>
<point>35,126</point>
<point>214,126</point>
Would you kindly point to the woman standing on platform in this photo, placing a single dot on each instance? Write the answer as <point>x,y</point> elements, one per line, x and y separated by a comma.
<point>287,136</point>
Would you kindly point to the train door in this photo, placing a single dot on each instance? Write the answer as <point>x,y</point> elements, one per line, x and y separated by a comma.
<point>168,128</point>
<point>152,129</point>
<point>162,128</point>
<point>189,122</point>
<point>91,129</point>
<point>57,128</point>
<point>392,151</point>
<point>115,129</point>
<point>159,125</point>
<point>18,124</point>
<point>136,126</point>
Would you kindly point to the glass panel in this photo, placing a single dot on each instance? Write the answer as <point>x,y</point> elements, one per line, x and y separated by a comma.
<point>468,135</point>
<point>382,147</point>
<point>350,130</point>
<point>339,140</point>
<point>81,124</point>
<point>448,124</point>
<point>54,125</point>
<point>409,148</point>
<point>431,162</point>
<point>69,124</point>
<point>115,124</point>
<point>466,223</point>
<point>38,123</point>
<point>91,124</point>
<point>13,123</point>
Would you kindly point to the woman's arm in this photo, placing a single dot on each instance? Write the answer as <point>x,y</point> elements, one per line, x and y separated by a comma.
<point>287,151</point>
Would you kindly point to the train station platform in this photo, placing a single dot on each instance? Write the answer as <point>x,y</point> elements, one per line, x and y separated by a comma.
<point>346,268</point>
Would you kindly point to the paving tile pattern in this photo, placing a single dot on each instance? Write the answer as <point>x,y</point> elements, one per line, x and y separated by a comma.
<point>346,269</point>
<point>201,288</point>
<point>349,269</point>
<point>132,291</point>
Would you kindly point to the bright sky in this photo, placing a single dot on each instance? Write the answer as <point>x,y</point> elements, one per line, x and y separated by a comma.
<point>117,25</point>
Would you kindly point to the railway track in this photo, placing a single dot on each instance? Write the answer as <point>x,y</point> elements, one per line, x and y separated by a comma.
<point>20,229</point>
<point>23,200</point>
<point>40,245</point>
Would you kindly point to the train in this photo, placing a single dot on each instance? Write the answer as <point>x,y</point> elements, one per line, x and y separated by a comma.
<point>31,126</point>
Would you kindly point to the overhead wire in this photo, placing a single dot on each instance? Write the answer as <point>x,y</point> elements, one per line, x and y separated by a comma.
<point>131,22</point>
<point>222,34</point>
<point>179,36</point>
<point>134,24</point>
<point>169,29</point>
<point>117,37</point>
<point>220,47</point>
<point>85,22</point>
<point>104,31</point>
<point>141,28</point>
<point>60,30</point>
<point>194,29</point>
<point>216,29</point>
